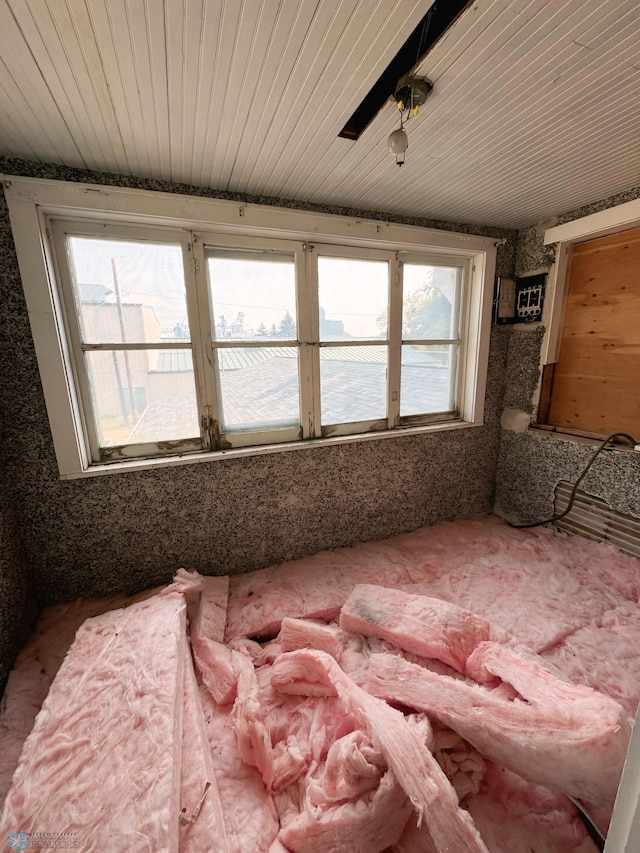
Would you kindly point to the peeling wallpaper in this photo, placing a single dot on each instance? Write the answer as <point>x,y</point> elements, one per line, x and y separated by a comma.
<point>532,463</point>
<point>132,530</point>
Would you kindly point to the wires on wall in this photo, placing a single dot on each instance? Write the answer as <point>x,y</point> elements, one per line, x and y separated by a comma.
<point>630,441</point>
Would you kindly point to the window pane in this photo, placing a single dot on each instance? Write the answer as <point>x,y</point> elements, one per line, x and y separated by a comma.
<point>253,297</point>
<point>128,291</point>
<point>430,300</point>
<point>143,395</point>
<point>353,383</point>
<point>259,387</point>
<point>353,298</point>
<point>427,379</point>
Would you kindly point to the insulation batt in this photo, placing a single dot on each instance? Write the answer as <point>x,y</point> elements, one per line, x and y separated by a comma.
<point>201,823</point>
<point>313,587</point>
<point>510,812</point>
<point>563,602</point>
<point>332,768</point>
<point>250,817</point>
<point>316,673</point>
<point>564,736</point>
<point>425,626</point>
<point>108,701</point>
<point>309,634</point>
<point>36,667</point>
<point>604,655</point>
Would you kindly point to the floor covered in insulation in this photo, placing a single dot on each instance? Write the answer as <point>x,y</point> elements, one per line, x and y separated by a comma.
<point>443,690</point>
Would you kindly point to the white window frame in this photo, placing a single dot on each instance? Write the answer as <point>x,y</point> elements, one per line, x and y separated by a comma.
<point>33,203</point>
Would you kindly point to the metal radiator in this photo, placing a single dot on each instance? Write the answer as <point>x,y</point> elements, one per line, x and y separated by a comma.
<point>593,518</point>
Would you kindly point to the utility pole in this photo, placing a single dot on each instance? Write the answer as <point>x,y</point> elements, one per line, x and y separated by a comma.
<point>123,336</point>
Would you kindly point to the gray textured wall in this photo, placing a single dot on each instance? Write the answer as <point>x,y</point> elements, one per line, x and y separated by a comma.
<point>128,531</point>
<point>532,463</point>
<point>17,604</point>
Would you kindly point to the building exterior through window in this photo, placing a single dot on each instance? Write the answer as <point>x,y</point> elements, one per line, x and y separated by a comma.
<point>185,337</point>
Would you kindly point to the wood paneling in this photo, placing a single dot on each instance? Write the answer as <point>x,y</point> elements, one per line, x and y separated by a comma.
<point>596,384</point>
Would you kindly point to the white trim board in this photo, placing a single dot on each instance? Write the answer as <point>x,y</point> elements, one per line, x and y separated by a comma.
<point>166,208</point>
<point>622,217</point>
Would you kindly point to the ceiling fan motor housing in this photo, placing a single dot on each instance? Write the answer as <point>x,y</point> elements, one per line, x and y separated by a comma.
<point>412,91</point>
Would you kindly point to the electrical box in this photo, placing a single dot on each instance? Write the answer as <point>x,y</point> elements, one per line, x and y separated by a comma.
<point>519,300</point>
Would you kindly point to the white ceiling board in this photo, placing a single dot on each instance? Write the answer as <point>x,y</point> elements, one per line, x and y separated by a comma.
<point>535,108</point>
<point>332,84</point>
<point>37,115</point>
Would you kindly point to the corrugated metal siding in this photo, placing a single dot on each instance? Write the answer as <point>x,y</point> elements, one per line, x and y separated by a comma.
<point>536,105</point>
<point>592,518</point>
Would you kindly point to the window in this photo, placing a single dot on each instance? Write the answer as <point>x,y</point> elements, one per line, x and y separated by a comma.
<point>188,338</point>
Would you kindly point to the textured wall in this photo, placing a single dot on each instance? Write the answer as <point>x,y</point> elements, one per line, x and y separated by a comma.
<point>130,530</point>
<point>532,463</point>
<point>17,605</point>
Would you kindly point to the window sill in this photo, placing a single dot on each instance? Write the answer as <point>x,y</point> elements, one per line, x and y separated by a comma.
<point>579,436</point>
<point>99,470</point>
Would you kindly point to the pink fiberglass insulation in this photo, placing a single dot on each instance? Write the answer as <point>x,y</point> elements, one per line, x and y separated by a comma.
<point>564,736</point>
<point>206,599</point>
<point>250,817</point>
<point>252,735</point>
<point>512,814</point>
<point>212,614</point>
<point>369,824</point>
<point>282,735</point>
<point>309,634</point>
<point>465,562</point>
<point>537,602</point>
<point>36,667</point>
<point>424,626</point>
<point>201,822</point>
<point>118,694</point>
<point>597,564</point>
<point>214,664</point>
<point>315,673</point>
<point>433,551</point>
<point>322,754</point>
<point>416,839</point>
<point>604,655</point>
<point>315,587</point>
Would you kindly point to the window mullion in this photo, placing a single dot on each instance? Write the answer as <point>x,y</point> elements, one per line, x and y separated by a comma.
<point>312,340</point>
<point>200,314</point>
<point>394,335</point>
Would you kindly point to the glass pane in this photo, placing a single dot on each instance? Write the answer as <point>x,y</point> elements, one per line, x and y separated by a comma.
<point>353,296</point>
<point>143,395</point>
<point>128,291</point>
<point>427,379</point>
<point>259,387</point>
<point>430,300</point>
<point>253,297</point>
<point>353,383</point>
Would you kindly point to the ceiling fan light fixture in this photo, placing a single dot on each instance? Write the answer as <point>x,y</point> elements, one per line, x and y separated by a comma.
<point>410,93</point>
<point>398,142</point>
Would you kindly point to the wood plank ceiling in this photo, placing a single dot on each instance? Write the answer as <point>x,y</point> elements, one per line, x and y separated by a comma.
<point>535,109</point>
